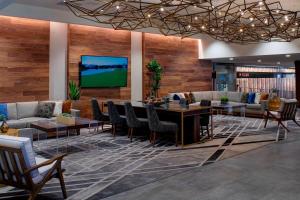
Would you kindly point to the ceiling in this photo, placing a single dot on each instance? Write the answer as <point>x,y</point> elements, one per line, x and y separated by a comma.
<point>269,60</point>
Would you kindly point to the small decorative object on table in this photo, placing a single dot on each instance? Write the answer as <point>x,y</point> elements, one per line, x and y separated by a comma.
<point>224,100</point>
<point>66,118</point>
<point>4,126</point>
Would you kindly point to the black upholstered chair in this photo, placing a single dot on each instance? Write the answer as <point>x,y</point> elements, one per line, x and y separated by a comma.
<point>156,126</point>
<point>103,118</point>
<point>115,118</point>
<point>204,118</point>
<point>132,121</point>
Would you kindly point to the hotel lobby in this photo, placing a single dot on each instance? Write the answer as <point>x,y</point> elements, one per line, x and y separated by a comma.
<point>149,99</point>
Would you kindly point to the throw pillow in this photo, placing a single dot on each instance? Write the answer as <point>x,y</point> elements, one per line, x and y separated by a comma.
<point>58,108</point>
<point>3,109</point>
<point>251,98</point>
<point>257,98</point>
<point>244,98</point>
<point>66,108</point>
<point>264,96</point>
<point>176,97</point>
<point>192,97</point>
<point>45,109</point>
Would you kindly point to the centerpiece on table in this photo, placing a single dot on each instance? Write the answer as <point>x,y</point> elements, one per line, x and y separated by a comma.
<point>224,100</point>
<point>66,118</point>
<point>4,126</point>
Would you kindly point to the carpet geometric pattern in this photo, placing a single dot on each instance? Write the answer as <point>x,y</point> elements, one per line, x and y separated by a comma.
<point>100,166</point>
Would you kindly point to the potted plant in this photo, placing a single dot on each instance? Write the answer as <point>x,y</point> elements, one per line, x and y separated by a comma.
<point>4,126</point>
<point>156,71</point>
<point>74,91</point>
<point>224,100</point>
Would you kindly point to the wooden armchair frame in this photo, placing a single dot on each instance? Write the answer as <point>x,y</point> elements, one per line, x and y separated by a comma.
<point>287,113</point>
<point>21,177</point>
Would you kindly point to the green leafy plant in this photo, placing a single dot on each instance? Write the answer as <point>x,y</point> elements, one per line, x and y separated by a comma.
<point>156,72</point>
<point>2,118</point>
<point>74,91</point>
<point>224,100</point>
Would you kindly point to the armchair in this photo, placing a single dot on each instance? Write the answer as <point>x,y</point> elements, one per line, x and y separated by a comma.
<point>286,113</point>
<point>19,168</point>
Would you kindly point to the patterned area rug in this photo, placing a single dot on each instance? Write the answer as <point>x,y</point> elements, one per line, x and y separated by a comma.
<point>99,166</point>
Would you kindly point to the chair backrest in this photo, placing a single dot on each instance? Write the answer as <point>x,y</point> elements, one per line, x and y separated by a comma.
<point>153,119</point>
<point>204,121</point>
<point>289,109</point>
<point>114,115</point>
<point>131,118</point>
<point>16,156</point>
<point>97,114</point>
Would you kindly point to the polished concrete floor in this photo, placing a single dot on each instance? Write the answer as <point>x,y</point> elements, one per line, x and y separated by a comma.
<point>268,173</point>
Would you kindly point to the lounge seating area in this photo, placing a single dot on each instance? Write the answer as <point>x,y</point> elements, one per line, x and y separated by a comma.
<point>142,100</point>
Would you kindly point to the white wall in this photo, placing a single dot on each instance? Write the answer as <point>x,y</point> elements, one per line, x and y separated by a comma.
<point>58,61</point>
<point>136,66</point>
<point>212,49</point>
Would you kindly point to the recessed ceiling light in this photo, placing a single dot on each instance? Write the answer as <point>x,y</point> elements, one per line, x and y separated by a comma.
<point>231,59</point>
<point>288,56</point>
<point>259,60</point>
<point>278,63</point>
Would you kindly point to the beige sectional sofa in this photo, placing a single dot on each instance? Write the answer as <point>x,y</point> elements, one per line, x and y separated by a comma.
<point>22,114</point>
<point>234,98</point>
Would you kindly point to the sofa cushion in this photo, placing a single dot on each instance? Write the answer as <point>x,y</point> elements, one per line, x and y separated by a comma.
<point>207,95</point>
<point>244,98</point>
<point>24,144</point>
<point>66,107</point>
<point>12,111</point>
<point>42,170</point>
<point>257,98</point>
<point>176,97</point>
<point>251,98</point>
<point>264,96</point>
<point>14,123</point>
<point>234,96</point>
<point>218,94</point>
<point>254,106</point>
<point>45,109</point>
<point>28,120</point>
<point>27,109</point>
<point>58,108</point>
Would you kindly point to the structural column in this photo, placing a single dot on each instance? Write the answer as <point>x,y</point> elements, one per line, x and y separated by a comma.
<point>58,61</point>
<point>297,68</point>
<point>136,66</point>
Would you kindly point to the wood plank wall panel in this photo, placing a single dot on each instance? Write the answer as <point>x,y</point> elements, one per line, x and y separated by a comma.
<point>87,40</point>
<point>183,71</point>
<point>24,55</point>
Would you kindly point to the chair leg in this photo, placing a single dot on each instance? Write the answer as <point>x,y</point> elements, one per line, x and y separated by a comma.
<point>129,130</point>
<point>131,133</point>
<point>32,196</point>
<point>154,138</point>
<point>266,121</point>
<point>62,183</point>
<point>296,122</point>
<point>150,137</point>
<point>176,138</point>
<point>280,123</point>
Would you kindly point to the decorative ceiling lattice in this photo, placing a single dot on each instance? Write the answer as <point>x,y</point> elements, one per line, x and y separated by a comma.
<point>236,21</point>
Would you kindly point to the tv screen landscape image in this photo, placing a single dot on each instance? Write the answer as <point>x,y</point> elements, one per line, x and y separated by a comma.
<point>103,71</point>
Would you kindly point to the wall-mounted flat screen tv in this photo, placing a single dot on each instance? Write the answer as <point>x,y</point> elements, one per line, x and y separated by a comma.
<point>103,71</point>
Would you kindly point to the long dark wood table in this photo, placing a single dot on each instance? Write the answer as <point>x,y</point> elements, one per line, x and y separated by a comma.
<point>187,118</point>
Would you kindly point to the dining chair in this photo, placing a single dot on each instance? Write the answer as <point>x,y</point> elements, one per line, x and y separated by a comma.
<point>98,115</point>
<point>156,126</point>
<point>133,122</point>
<point>21,169</point>
<point>205,117</point>
<point>115,118</point>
